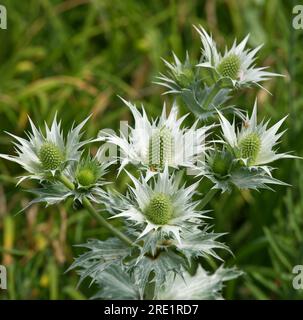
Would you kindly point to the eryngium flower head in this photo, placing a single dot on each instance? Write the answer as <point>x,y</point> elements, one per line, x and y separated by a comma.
<point>220,163</point>
<point>253,143</point>
<point>154,144</point>
<point>88,172</point>
<point>87,176</point>
<point>160,204</point>
<point>44,155</point>
<point>236,64</point>
<point>228,172</point>
<point>180,75</point>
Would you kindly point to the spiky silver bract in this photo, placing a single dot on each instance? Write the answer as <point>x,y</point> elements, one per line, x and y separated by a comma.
<point>183,209</point>
<point>101,255</point>
<point>116,284</point>
<point>201,286</point>
<point>171,281</point>
<point>188,82</point>
<point>88,177</point>
<point>180,75</point>
<point>53,192</point>
<point>227,173</point>
<point>43,155</point>
<point>247,152</point>
<point>253,143</point>
<point>237,64</point>
<point>181,225</point>
<point>156,143</point>
<point>89,169</point>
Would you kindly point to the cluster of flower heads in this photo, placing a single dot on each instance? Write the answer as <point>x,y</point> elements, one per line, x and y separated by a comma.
<point>162,215</point>
<point>205,85</point>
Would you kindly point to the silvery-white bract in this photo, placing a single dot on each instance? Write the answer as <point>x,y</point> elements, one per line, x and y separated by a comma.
<point>227,173</point>
<point>253,143</point>
<point>44,155</point>
<point>86,174</point>
<point>116,283</point>
<point>154,144</point>
<point>161,204</point>
<point>242,161</point>
<point>181,75</point>
<point>201,286</point>
<point>236,64</point>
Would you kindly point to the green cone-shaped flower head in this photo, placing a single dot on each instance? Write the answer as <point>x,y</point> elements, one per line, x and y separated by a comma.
<point>160,209</point>
<point>88,172</point>
<point>161,148</point>
<point>50,156</point>
<point>230,66</point>
<point>186,77</point>
<point>221,164</point>
<point>250,146</point>
<point>86,177</point>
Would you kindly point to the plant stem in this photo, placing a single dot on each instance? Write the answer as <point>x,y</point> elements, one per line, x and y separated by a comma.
<point>86,203</point>
<point>210,97</point>
<point>209,195</point>
<point>66,182</point>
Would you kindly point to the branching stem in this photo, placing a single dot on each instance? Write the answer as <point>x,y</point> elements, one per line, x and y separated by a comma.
<point>211,95</point>
<point>209,195</point>
<point>92,211</point>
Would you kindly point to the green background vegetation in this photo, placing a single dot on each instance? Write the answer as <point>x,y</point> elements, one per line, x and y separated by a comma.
<point>75,57</point>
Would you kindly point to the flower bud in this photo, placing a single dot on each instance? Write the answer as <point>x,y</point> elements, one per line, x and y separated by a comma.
<point>221,164</point>
<point>186,77</point>
<point>86,177</point>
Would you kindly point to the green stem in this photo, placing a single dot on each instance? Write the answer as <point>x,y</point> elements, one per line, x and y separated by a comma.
<point>86,203</point>
<point>209,195</point>
<point>210,97</point>
<point>66,182</point>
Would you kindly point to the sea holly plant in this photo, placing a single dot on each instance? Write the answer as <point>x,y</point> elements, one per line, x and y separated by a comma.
<point>166,235</point>
<point>205,85</point>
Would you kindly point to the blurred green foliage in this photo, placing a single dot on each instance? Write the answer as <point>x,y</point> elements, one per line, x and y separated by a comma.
<point>75,57</point>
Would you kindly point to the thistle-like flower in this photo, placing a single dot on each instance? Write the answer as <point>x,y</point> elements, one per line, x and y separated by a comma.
<point>227,172</point>
<point>45,155</point>
<point>243,161</point>
<point>87,177</point>
<point>236,64</point>
<point>160,204</point>
<point>253,144</point>
<point>154,144</point>
<point>181,75</point>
